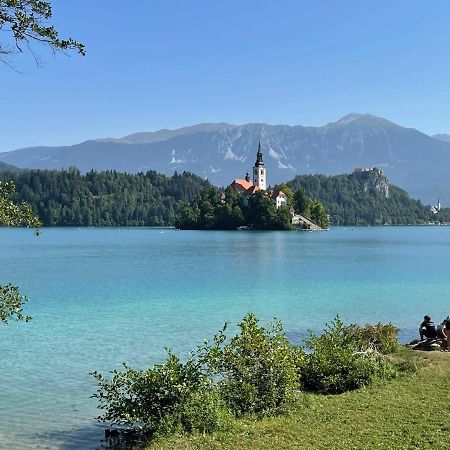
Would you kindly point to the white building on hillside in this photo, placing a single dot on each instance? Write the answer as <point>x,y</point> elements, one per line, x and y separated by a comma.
<point>280,198</point>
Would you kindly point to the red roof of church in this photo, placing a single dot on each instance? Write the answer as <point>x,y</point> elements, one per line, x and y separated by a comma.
<point>241,185</point>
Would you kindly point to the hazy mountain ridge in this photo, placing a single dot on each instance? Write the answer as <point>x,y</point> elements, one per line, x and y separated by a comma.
<point>221,152</point>
<point>442,137</point>
<point>148,137</point>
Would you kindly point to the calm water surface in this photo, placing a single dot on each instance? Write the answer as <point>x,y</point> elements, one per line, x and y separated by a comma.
<point>100,297</point>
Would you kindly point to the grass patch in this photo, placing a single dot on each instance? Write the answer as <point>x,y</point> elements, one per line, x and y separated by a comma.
<point>409,412</point>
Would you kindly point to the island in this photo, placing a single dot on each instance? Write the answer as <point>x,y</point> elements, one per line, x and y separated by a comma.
<point>249,204</point>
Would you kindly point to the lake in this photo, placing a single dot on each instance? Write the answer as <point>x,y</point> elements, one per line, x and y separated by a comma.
<point>100,297</point>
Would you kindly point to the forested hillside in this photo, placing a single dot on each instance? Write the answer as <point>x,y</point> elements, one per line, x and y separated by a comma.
<point>104,198</point>
<point>364,199</point>
<point>8,168</point>
<point>69,198</point>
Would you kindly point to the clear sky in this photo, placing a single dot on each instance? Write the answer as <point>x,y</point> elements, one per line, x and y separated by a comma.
<point>155,64</point>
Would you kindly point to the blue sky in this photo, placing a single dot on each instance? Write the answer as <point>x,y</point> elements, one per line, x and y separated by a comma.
<point>154,64</point>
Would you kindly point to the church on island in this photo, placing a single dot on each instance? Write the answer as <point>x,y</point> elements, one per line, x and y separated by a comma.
<point>248,187</point>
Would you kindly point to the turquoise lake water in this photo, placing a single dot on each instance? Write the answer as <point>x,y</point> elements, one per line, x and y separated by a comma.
<point>100,297</point>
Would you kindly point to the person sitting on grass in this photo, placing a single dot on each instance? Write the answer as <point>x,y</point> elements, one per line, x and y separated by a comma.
<point>440,330</point>
<point>442,335</point>
<point>427,329</point>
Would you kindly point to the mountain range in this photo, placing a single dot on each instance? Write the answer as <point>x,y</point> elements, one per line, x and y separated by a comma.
<point>221,152</point>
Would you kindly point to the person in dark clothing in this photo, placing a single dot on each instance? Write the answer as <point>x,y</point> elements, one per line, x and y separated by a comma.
<point>427,329</point>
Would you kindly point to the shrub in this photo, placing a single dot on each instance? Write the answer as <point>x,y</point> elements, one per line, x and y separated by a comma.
<point>336,364</point>
<point>380,337</point>
<point>257,369</point>
<point>143,398</point>
<point>204,411</point>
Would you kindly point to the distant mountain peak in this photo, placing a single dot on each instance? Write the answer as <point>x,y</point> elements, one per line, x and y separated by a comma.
<point>442,137</point>
<point>349,118</point>
<point>363,119</point>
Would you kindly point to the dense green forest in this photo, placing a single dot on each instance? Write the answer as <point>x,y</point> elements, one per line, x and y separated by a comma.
<point>150,199</point>
<point>104,198</point>
<point>366,199</point>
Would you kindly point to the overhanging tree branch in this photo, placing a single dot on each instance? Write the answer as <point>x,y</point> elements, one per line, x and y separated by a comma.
<point>28,21</point>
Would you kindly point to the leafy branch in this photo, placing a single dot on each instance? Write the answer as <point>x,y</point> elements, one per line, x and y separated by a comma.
<point>28,21</point>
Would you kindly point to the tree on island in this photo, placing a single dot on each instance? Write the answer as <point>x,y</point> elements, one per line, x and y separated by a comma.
<point>13,215</point>
<point>208,211</point>
<point>27,22</point>
<point>302,203</point>
<point>262,213</point>
<point>319,214</point>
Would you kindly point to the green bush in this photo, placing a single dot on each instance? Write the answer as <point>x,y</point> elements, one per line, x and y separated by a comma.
<point>204,411</point>
<point>257,369</point>
<point>380,337</point>
<point>143,398</point>
<point>335,363</point>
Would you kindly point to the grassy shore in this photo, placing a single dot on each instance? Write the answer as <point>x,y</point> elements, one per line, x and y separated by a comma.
<point>410,412</point>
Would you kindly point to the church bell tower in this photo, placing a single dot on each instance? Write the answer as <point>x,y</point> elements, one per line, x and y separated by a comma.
<point>259,171</point>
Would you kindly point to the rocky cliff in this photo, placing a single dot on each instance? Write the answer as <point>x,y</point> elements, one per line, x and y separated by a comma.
<point>373,179</point>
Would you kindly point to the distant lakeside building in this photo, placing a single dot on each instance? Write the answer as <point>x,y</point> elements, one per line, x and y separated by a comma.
<point>436,208</point>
